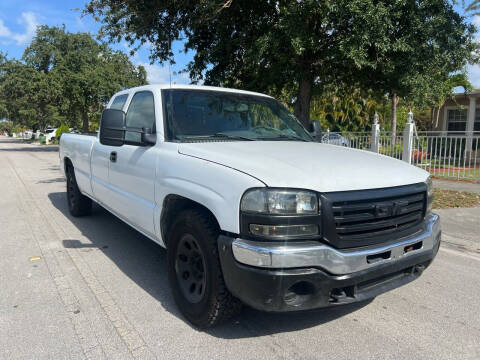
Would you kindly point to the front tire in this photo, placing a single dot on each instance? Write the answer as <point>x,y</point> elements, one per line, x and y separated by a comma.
<point>195,273</point>
<point>78,204</point>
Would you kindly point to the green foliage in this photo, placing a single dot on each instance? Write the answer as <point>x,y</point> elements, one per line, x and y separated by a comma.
<point>16,129</point>
<point>346,109</point>
<point>297,50</point>
<point>63,78</point>
<point>472,8</point>
<point>6,126</point>
<point>61,130</point>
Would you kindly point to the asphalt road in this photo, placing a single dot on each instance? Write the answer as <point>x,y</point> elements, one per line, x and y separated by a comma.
<point>94,288</point>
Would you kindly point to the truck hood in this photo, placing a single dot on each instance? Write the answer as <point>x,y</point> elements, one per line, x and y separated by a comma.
<point>307,165</point>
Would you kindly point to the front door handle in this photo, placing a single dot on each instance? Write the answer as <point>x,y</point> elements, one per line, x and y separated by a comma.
<point>113,156</point>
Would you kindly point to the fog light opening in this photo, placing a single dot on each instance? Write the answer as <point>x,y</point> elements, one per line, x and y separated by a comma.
<point>299,293</point>
<point>302,288</point>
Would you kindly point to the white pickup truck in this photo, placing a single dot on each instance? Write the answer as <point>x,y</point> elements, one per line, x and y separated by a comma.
<point>250,208</point>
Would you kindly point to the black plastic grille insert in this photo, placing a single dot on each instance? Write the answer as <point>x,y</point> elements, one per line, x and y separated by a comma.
<point>360,218</point>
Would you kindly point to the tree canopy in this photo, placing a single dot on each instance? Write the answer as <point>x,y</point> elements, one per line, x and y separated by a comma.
<point>63,77</point>
<point>298,49</point>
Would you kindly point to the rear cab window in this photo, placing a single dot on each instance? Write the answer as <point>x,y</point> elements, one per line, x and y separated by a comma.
<point>119,101</point>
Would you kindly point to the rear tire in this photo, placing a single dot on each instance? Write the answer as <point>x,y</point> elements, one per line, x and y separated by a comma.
<point>195,273</point>
<point>78,204</point>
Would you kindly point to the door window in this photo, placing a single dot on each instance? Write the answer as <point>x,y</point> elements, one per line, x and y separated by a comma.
<point>476,124</point>
<point>140,114</point>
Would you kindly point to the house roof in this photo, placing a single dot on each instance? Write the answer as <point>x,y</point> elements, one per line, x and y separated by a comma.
<point>475,92</point>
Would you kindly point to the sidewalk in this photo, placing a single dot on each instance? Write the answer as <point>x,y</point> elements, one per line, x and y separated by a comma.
<point>456,186</point>
<point>460,228</point>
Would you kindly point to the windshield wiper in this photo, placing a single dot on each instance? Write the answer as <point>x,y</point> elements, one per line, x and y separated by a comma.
<point>230,136</point>
<point>283,136</point>
<point>219,135</point>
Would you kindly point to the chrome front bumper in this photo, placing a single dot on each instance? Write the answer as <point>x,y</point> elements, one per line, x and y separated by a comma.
<point>313,254</point>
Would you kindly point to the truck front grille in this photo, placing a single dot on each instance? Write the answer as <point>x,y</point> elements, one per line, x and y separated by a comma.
<point>360,218</point>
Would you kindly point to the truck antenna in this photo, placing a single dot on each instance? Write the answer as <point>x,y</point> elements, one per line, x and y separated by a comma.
<point>170,65</point>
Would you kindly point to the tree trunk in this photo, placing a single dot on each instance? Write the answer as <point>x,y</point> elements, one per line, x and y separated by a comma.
<point>394,116</point>
<point>432,118</point>
<point>301,107</point>
<point>85,121</point>
<point>438,115</point>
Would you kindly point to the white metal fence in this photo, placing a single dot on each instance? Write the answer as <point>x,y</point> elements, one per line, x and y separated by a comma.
<point>454,155</point>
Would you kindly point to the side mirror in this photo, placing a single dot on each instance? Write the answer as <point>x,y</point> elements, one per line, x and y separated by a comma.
<point>148,138</point>
<point>316,130</point>
<point>112,127</point>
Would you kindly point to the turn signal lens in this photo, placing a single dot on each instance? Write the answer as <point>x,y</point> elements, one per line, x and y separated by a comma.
<point>284,231</point>
<point>429,194</point>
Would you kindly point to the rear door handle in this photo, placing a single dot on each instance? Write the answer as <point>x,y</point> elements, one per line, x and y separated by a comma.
<point>113,156</point>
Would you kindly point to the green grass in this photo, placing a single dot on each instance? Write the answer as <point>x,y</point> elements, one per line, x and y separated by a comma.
<point>444,199</point>
<point>451,171</point>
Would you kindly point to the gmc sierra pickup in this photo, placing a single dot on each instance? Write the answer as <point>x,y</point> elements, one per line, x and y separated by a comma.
<point>250,206</point>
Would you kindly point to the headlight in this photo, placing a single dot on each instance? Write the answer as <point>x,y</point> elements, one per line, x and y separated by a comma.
<point>280,202</point>
<point>280,214</point>
<point>429,194</point>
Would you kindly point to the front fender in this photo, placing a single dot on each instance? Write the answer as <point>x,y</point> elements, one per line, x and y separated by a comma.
<point>217,187</point>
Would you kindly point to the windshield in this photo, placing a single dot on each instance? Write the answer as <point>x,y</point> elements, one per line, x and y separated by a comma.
<point>199,115</point>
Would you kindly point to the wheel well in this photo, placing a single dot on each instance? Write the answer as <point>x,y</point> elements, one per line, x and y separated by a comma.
<point>68,163</point>
<point>172,206</point>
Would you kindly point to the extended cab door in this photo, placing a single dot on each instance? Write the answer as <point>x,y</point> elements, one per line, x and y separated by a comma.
<point>132,168</point>
<point>100,161</point>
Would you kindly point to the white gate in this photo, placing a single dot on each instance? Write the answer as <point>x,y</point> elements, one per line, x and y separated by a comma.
<point>453,155</point>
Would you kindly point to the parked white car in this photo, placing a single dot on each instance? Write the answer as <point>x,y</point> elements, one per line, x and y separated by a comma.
<point>27,134</point>
<point>50,134</point>
<point>250,208</point>
<point>335,139</point>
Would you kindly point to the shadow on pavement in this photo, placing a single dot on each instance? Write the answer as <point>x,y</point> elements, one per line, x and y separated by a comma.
<point>53,180</point>
<point>144,261</point>
<point>32,148</point>
<point>27,145</point>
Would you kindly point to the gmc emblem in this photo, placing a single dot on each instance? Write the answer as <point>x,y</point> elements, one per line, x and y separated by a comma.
<point>383,210</point>
<point>390,209</point>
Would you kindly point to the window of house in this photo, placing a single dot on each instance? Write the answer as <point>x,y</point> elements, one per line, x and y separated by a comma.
<point>476,124</point>
<point>457,120</point>
<point>140,114</point>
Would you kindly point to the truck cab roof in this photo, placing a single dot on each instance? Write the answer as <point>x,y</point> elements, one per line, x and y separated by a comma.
<point>189,87</point>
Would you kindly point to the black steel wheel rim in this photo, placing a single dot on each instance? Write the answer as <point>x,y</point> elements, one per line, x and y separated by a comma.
<point>190,269</point>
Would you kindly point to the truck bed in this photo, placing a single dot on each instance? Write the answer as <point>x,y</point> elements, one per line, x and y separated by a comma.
<point>78,148</point>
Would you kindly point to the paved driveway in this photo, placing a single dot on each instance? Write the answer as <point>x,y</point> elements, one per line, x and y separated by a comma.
<point>94,288</point>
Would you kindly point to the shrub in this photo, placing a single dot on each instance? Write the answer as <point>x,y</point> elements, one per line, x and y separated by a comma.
<point>393,151</point>
<point>61,129</point>
<point>418,155</point>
